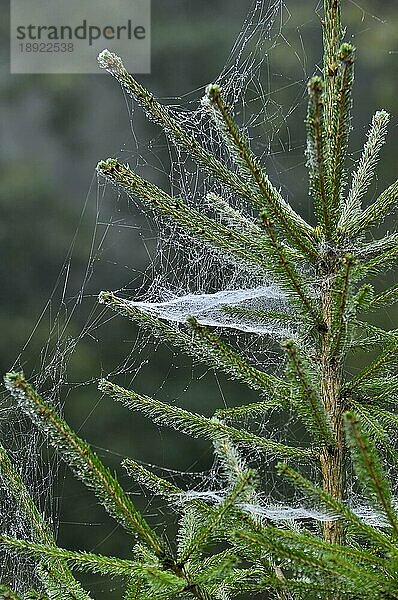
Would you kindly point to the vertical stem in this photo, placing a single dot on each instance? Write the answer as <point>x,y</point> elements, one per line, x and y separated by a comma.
<point>332,457</point>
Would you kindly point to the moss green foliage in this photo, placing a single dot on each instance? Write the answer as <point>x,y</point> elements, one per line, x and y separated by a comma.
<point>222,549</point>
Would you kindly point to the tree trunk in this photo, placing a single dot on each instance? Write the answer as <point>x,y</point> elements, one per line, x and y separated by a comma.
<point>332,457</point>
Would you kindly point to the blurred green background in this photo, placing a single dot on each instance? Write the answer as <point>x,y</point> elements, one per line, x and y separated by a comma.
<point>54,129</point>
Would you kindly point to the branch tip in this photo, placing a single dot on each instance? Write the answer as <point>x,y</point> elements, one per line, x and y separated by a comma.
<point>105,297</point>
<point>109,61</point>
<point>213,91</point>
<point>346,52</point>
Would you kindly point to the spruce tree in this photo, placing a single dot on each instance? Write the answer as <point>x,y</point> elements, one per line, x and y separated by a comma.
<point>223,550</point>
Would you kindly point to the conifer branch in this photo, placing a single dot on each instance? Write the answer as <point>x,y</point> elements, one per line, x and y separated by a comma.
<point>345,572</point>
<point>238,365</point>
<point>231,216</point>
<point>152,578</point>
<point>155,484</point>
<point>376,247</point>
<point>379,389</point>
<point>332,38</point>
<point>289,277</point>
<point>82,561</point>
<point>233,464</point>
<point>171,492</point>
<point>306,539</point>
<point>363,175</point>
<point>369,470</point>
<point>341,127</point>
<point>373,426</point>
<point>338,561</point>
<point>217,569</point>
<point>237,245</point>
<point>316,152</point>
<point>300,586</point>
<point>386,298</point>
<point>270,202</point>
<point>362,299</point>
<point>338,507</point>
<point>203,535</point>
<point>204,346</point>
<point>388,419</point>
<point>7,593</point>
<point>48,575</point>
<point>134,590</point>
<point>340,305</point>
<point>387,357</point>
<point>375,336</point>
<point>307,401</point>
<point>42,533</point>
<point>58,581</point>
<point>247,410</point>
<point>368,423</point>
<point>82,460</point>
<point>17,488</point>
<point>166,584</point>
<point>195,424</point>
<point>182,138</point>
<point>380,263</point>
<point>376,212</point>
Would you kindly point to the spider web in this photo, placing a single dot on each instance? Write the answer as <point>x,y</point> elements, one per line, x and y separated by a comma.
<point>182,278</point>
